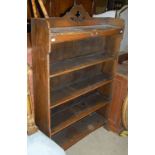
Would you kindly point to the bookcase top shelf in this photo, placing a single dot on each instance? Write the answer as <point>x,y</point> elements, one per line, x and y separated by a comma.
<point>62,34</point>
<point>79,29</point>
<point>76,25</point>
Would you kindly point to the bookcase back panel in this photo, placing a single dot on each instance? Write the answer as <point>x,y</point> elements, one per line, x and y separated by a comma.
<point>76,48</point>
<point>73,49</point>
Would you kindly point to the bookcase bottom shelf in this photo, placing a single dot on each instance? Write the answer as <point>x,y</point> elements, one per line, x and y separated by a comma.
<point>72,134</point>
<point>68,114</point>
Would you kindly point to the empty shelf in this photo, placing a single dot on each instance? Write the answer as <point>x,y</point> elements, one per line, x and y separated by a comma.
<point>72,91</point>
<point>78,130</point>
<point>70,65</point>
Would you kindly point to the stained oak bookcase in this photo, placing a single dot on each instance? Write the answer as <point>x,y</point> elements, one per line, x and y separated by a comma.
<point>74,64</point>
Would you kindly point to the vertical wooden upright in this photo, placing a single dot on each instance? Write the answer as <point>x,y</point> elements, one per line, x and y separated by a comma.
<point>40,57</point>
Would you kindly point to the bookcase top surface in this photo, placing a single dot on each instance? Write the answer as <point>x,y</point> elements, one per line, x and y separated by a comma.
<point>82,28</point>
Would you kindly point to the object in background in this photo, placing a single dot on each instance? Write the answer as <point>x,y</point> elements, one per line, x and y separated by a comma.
<point>31,127</point>
<point>125,113</point>
<point>100,6</point>
<point>116,4</point>
<point>123,14</point>
<point>117,111</point>
<point>124,133</point>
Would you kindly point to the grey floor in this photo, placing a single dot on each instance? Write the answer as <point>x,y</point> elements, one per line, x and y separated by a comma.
<point>100,142</point>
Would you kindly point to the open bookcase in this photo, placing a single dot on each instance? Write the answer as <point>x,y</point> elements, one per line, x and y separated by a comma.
<point>74,63</point>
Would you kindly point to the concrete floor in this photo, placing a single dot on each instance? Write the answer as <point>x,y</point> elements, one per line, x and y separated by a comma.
<point>100,142</point>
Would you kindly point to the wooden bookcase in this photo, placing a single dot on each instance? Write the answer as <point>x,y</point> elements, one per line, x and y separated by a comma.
<point>74,63</point>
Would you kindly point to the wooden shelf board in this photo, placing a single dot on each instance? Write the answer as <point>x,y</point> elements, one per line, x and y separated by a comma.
<point>77,63</point>
<point>63,34</point>
<point>78,130</point>
<point>77,110</point>
<point>67,93</point>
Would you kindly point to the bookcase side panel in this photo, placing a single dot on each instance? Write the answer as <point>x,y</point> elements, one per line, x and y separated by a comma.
<point>110,68</point>
<point>40,57</point>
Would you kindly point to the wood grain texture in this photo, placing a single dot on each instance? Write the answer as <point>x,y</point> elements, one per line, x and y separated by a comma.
<point>40,46</point>
<point>64,22</point>
<point>114,110</point>
<point>81,32</point>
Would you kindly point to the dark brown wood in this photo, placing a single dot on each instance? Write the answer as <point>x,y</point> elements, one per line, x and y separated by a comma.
<point>41,47</point>
<point>122,57</point>
<point>88,5</point>
<point>67,70</point>
<point>77,131</point>
<point>29,9</point>
<point>58,8</point>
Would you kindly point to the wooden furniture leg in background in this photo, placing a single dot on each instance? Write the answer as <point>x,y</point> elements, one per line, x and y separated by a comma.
<point>31,127</point>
